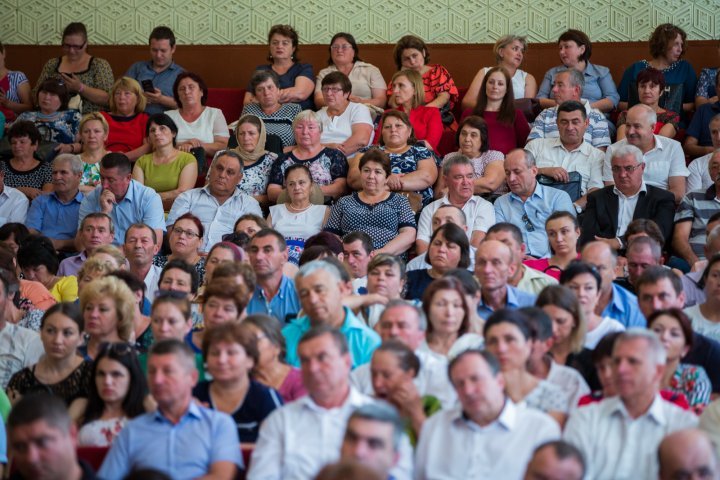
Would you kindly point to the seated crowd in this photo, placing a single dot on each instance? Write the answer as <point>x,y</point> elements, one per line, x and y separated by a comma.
<point>321,293</point>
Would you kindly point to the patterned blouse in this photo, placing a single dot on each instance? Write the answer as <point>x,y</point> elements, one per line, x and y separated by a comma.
<point>480,164</point>
<point>162,260</point>
<point>75,385</point>
<point>101,433</point>
<point>407,162</point>
<point>98,75</point>
<point>693,382</point>
<point>34,178</point>
<point>278,123</point>
<point>325,167</point>
<point>91,174</point>
<point>436,81</point>
<point>256,176</point>
<point>59,127</point>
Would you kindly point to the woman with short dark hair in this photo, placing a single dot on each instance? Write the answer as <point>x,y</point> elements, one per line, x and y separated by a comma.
<point>279,116</point>
<point>23,171</point>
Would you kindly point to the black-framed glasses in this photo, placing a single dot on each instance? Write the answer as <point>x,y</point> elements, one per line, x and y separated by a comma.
<point>187,233</point>
<point>528,224</point>
<point>626,168</point>
<point>70,46</point>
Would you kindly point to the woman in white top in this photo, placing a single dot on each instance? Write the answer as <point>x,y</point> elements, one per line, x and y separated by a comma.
<point>347,125</point>
<point>118,393</point>
<point>584,279</point>
<point>297,219</point>
<point>368,84</point>
<point>705,317</point>
<point>509,53</point>
<point>198,126</point>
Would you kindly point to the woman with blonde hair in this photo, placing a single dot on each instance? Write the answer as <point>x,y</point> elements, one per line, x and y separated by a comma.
<point>127,119</point>
<point>94,131</point>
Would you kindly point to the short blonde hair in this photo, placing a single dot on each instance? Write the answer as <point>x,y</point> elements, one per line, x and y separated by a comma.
<point>119,292</point>
<point>114,252</point>
<point>416,79</point>
<point>506,40</point>
<point>94,265</point>
<point>94,116</point>
<point>307,115</point>
<point>131,85</point>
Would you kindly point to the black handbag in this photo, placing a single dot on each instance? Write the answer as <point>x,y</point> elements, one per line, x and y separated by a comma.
<point>572,187</point>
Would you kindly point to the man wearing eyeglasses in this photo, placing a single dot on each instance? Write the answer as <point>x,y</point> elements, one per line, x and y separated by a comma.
<point>611,209</point>
<point>219,203</point>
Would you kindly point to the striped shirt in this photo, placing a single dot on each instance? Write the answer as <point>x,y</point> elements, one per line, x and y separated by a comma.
<point>698,206</point>
<point>597,133</point>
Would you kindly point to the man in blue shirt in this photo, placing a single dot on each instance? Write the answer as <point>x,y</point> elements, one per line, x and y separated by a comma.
<point>160,70</point>
<point>494,266</point>
<point>699,140</point>
<point>321,288</point>
<point>125,200</point>
<point>274,293</point>
<point>55,214</point>
<point>180,438</point>
<point>529,204</point>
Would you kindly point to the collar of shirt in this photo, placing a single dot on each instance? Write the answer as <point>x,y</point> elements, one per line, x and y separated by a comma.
<point>130,194</point>
<point>506,420</point>
<point>192,411</point>
<point>445,200</point>
<point>206,191</point>
<point>354,400</point>
<point>556,142</point>
<point>643,188</point>
<point>655,412</point>
<point>282,289</point>
<point>510,298</point>
<point>77,198</point>
<point>150,66</point>
<point>590,70</point>
<point>539,193</point>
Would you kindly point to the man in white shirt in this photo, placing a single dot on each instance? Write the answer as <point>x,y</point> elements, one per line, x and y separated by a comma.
<point>373,436</point>
<point>620,435</point>
<point>13,203</point>
<point>298,439</point>
<point>699,178</point>
<point>664,157</point>
<point>445,213</point>
<point>688,454</point>
<point>558,156</point>
<point>459,175</point>
<point>220,202</point>
<point>357,253</point>
<point>406,322</point>
<point>140,247</point>
<point>556,460</point>
<point>488,436</point>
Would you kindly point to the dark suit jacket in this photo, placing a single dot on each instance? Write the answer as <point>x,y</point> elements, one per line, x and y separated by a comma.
<point>601,215</point>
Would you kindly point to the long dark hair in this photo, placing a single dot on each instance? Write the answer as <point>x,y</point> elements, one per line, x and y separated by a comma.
<point>132,404</point>
<point>507,107</point>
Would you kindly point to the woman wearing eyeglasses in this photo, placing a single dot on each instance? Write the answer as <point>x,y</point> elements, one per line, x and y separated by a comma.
<point>185,238</point>
<point>60,370</point>
<point>166,170</point>
<point>89,77</point>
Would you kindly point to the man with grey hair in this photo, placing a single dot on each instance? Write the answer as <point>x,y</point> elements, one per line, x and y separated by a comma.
<point>55,214</point>
<point>611,209</point>
<point>568,85</point>
<point>619,436</point>
<point>321,289</point>
<point>372,437</point>
<point>693,214</point>
<point>406,322</point>
<point>699,178</point>
<point>665,155</point>
<point>687,454</point>
<point>529,204</point>
<point>458,175</point>
<point>641,253</point>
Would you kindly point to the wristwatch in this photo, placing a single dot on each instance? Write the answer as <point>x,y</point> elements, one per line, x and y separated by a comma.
<point>578,208</point>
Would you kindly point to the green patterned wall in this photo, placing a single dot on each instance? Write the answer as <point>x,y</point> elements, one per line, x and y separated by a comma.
<point>372,21</point>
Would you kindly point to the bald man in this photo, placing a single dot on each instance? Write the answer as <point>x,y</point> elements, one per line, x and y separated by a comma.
<point>687,454</point>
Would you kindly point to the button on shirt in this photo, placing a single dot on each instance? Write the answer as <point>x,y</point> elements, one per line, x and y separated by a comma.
<point>163,80</point>
<point>585,159</point>
<point>217,219</point>
<point>626,208</point>
<point>536,209</point>
<point>284,305</point>
<point>618,447</point>
<point>454,447</point>
<point>665,160</point>
<point>53,218</point>
<point>184,450</point>
<point>141,204</point>
<point>516,298</point>
<point>13,206</point>
<point>479,214</point>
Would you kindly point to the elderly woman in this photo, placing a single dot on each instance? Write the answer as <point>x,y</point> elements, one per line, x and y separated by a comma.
<point>297,219</point>
<point>439,90</point>
<point>127,119</point>
<point>296,79</point>
<point>347,125</point>
<point>23,171</point>
<point>507,126</point>
<point>108,308</point>
<point>563,232</point>
<point>39,262</point>
<point>575,51</point>
<point>88,78</point>
<point>509,54</point>
<point>15,90</point>
<point>251,137</point>
<point>412,166</point>
<point>667,46</point>
<point>265,85</point>
<point>94,131</point>
<point>472,138</point>
<point>328,166</point>
<point>368,84</point>
<point>449,249</point>
<point>650,88</point>
<point>184,239</point>
<point>54,120</point>
<point>384,215</point>
<point>408,96</point>
<point>199,126</point>
<point>166,170</point>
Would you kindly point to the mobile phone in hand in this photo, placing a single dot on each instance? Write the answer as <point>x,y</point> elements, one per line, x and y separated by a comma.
<point>147,86</point>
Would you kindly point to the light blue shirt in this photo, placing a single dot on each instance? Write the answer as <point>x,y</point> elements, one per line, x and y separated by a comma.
<point>161,80</point>
<point>141,204</point>
<point>285,303</point>
<point>217,219</point>
<point>624,308</point>
<point>515,299</point>
<point>185,450</point>
<point>529,216</point>
<point>362,340</point>
<point>53,218</point>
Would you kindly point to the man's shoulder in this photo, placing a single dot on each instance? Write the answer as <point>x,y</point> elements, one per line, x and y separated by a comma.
<point>19,334</point>
<point>660,193</point>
